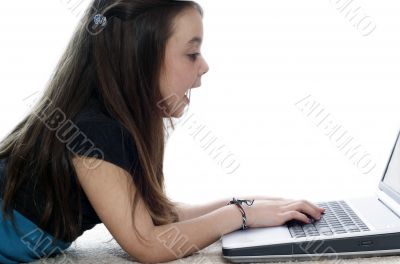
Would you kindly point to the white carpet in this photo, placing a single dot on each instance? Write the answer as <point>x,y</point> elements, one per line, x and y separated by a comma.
<point>98,246</point>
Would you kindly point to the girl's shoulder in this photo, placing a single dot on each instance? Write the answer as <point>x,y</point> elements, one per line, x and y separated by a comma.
<point>101,136</point>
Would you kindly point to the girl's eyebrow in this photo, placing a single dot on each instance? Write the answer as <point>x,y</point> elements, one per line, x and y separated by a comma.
<point>194,40</point>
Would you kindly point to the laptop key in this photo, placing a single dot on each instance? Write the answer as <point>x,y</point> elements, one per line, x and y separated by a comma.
<point>364,228</point>
<point>350,227</point>
<point>324,229</point>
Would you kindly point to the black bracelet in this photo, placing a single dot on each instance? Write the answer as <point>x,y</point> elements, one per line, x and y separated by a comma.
<point>238,203</point>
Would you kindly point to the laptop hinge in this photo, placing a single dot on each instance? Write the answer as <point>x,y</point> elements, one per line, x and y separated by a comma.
<point>389,202</point>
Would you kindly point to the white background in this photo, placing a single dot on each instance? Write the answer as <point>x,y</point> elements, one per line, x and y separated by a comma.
<point>264,56</point>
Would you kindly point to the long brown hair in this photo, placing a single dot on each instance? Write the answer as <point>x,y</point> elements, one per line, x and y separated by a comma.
<point>122,63</point>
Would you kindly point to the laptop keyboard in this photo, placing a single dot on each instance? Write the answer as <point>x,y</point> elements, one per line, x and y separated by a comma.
<point>338,218</point>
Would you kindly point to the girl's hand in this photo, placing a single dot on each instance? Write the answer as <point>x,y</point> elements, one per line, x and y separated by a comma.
<point>276,212</point>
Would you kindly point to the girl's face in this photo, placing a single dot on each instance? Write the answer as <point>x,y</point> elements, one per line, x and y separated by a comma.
<point>183,64</point>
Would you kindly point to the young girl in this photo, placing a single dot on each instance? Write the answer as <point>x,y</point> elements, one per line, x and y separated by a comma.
<point>91,151</point>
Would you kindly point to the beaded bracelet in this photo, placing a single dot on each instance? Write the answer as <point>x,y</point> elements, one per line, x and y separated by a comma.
<point>238,203</point>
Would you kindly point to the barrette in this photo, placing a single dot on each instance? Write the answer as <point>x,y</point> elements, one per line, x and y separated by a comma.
<point>99,19</point>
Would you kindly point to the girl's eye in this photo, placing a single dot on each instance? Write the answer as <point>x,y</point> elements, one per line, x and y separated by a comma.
<point>193,56</point>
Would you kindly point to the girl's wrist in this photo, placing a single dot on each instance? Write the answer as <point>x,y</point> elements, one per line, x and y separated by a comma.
<point>249,215</point>
<point>244,207</point>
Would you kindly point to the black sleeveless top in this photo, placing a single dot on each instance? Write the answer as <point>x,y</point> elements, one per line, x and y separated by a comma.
<point>104,133</point>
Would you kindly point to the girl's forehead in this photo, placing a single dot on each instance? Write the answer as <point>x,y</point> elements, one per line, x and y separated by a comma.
<point>188,28</point>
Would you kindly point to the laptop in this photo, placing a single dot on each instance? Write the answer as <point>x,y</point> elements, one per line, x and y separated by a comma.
<point>359,227</point>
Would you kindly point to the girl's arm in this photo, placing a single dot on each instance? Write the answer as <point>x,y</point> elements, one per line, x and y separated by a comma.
<point>188,211</point>
<point>109,190</point>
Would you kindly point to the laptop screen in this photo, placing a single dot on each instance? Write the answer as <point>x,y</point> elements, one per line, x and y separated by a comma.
<point>392,175</point>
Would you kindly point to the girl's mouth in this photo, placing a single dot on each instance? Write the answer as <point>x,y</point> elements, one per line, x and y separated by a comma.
<point>186,99</point>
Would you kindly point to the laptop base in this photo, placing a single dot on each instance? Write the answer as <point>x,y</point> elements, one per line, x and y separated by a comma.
<point>349,247</point>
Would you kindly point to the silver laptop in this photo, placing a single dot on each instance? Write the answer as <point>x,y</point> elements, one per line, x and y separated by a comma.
<point>366,226</point>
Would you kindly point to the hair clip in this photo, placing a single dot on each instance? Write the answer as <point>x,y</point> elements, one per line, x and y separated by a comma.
<point>99,19</point>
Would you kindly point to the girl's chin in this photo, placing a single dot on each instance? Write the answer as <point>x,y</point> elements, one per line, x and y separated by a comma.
<point>183,108</point>
<point>180,109</point>
<point>178,113</point>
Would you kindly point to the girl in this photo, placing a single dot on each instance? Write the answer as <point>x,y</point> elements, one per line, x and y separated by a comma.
<point>91,151</point>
